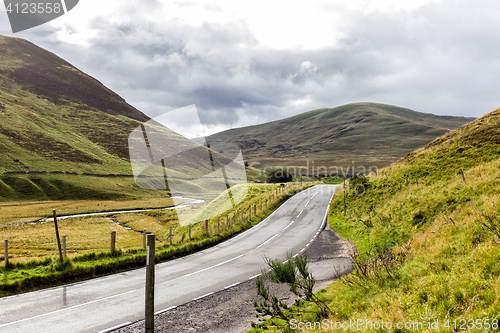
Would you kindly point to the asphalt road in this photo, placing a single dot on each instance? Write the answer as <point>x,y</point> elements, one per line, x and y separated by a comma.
<point>111,301</point>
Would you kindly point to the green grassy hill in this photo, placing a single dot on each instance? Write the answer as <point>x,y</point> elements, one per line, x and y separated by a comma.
<point>369,134</point>
<point>430,252</point>
<point>56,121</point>
<point>57,118</point>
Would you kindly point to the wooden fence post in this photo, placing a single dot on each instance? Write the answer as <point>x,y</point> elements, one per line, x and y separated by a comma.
<point>170,231</point>
<point>463,176</point>
<point>6,252</point>
<point>113,242</point>
<point>150,285</point>
<point>189,231</point>
<point>227,219</point>
<point>64,246</point>
<point>254,210</point>
<point>144,238</point>
<point>206,226</point>
<point>416,180</point>
<point>57,236</point>
<point>218,223</point>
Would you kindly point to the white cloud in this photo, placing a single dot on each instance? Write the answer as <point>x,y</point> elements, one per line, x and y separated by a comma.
<point>247,63</point>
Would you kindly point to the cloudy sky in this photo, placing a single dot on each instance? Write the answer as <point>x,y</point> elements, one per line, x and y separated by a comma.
<point>248,62</point>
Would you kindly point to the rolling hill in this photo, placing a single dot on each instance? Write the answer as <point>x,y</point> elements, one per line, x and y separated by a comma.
<point>367,134</point>
<point>57,124</point>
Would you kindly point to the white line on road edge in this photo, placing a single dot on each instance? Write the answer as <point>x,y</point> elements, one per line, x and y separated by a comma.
<point>253,277</point>
<point>300,213</point>
<point>115,327</point>
<point>61,310</point>
<point>302,250</point>
<point>267,241</point>
<point>206,269</point>
<point>307,203</point>
<point>308,244</point>
<point>289,224</point>
<point>165,310</point>
<point>197,298</point>
<point>295,255</point>
<point>232,285</point>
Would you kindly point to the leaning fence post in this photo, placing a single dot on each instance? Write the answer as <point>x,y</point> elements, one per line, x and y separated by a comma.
<point>6,252</point>
<point>463,176</point>
<point>113,242</point>
<point>57,235</point>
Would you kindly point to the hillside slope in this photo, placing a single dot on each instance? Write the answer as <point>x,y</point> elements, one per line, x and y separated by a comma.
<point>429,251</point>
<point>366,133</point>
<point>55,117</point>
<point>57,123</point>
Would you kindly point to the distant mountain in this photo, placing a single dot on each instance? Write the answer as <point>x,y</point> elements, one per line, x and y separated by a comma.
<point>367,134</point>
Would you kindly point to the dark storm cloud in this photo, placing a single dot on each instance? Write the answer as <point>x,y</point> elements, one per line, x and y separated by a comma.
<point>441,58</point>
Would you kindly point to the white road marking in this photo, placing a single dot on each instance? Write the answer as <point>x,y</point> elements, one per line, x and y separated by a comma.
<point>289,224</point>
<point>302,250</point>
<point>206,269</point>
<point>267,241</point>
<point>232,285</point>
<point>197,298</point>
<point>253,277</point>
<point>307,203</point>
<point>68,308</point>
<point>308,244</point>
<point>165,310</point>
<point>300,213</point>
<point>115,327</point>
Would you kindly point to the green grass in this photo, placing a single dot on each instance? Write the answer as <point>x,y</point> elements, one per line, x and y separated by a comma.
<point>445,264</point>
<point>333,181</point>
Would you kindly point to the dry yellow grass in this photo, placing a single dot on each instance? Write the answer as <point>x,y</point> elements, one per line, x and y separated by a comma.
<point>90,234</point>
<point>18,212</point>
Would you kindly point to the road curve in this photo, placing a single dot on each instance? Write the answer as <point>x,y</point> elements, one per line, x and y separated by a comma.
<point>99,304</point>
